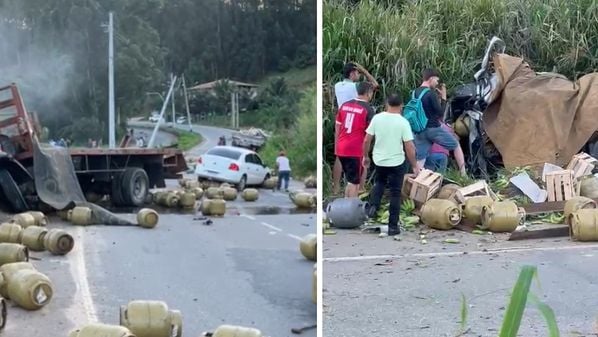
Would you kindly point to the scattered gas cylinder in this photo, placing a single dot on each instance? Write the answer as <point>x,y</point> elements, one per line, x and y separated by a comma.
<point>347,213</point>
<point>311,182</point>
<point>63,214</point>
<point>271,183</point>
<point>584,224</point>
<point>192,184</point>
<point>30,289</point>
<point>169,199</point>
<point>149,198</point>
<point>151,319</point>
<point>314,285</point>
<point>440,214</point>
<point>23,219</point>
<point>187,200</point>
<point>159,197</point>
<point>214,193</point>
<point>13,252</point>
<point>574,204</point>
<point>236,331</point>
<point>447,191</point>
<point>229,193</point>
<point>102,330</point>
<point>40,218</point>
<point>308,246</point>
<point>8,271</point>
<point>147,218</point>
<point>225,185</point>
<point>303,199</point>
<point>472,209</point>
<point>198,192</point>
<point>183,182</point>
<point>215,207</point>
<point>33,238</point>
<point>502,216</point>
<point>589,187</point>
<point>81,216</point>
<point>250,194</point>
<point>10,232</point>
<point>58,242</point>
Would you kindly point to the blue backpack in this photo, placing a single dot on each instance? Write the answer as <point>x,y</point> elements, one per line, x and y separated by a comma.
<point>414,112</point>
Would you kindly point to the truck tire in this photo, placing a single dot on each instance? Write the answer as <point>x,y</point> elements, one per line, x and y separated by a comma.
<point>135,185</point>
<point>12,193</point>
<point>117,196</point>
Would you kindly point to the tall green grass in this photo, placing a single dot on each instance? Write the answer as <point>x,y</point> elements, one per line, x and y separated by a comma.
<point>396,40</point>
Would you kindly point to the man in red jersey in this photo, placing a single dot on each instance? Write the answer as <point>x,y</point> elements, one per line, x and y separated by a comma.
<point>352,119</point>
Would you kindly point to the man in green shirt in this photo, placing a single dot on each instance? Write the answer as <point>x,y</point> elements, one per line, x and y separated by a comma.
<point>389,129</point>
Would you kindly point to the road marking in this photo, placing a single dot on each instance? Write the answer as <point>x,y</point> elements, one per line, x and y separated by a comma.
<point>273,232</point>
<point>295,237</point>
<point>80,276</point>
<point>248,217</point>
<point>271,227</point>
<point>475,252</point>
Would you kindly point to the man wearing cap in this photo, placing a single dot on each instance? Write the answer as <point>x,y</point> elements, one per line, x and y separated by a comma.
<point>345,91</point>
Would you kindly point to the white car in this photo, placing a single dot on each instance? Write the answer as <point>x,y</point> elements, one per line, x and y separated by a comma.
<point>155,119</point>
<point>233,165</point>
<point>181,120</point>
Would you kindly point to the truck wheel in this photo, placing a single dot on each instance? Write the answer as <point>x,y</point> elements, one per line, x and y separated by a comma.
<point>117,196</point>
<point>135,185</point>
<point>12,193</point>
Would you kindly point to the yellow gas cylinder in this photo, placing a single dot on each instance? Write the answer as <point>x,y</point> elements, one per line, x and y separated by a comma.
<point>236,331</point>
<point>151,319</point>
<point>159,196</point>
<point>225,185</point>
<point>303,199</point>
<point>311,182</point>
<point>40,218</point>
<point>63,214</point>
<point>574,204</point>
<point>502,216</point>
<point>58,242</point>
<point>584,224</point>
<point>461,125</point>
<point>13,252</point>
<point>589,187</point>
<point>81,216</point>
<point>23,219</point>
<point>192,184</point>
<point>472,209</point>
<point>33,238</point>
<point>10,232</point>
<point>170,199</point>
<point>30,289</point>
<point>440,214</point>
<point>187,200</point>
<point>271,183</point>
<point>198,192</point>
<point>217,207</point>
<point>205,207</point>
<point>314,285</point>
<point>147,218</point>
<point>101,330</point>
<point>214,193</point>
<point>229,193</point>
<point>250,194</point>
<point>8,271</point>
<point>183,182</point>
<point>308,247</point>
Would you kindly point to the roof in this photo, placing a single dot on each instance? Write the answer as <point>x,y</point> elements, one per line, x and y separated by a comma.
<point>213,84</point>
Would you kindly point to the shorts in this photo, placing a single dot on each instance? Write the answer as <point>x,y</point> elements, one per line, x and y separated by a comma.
<point>352,169</point>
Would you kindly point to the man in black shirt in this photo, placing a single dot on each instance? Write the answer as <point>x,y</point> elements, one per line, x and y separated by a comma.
<point>434,108</point>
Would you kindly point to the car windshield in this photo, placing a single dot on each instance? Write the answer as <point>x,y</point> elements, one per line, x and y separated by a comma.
<point>227,153</point>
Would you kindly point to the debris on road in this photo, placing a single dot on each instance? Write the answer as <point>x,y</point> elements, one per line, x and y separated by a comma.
<point>148,218</point>
<point>13,252</point>
<point>58,242</point>
<point>308,247</point>
<point>213,207</point>
<point>303,199</point>
<point>151,319</point>
<point>25,286</point>
<point>250,194</point>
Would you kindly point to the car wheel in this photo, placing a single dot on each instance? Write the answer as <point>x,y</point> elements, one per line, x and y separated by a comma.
<point>242,184</point>
<point>135,185</point>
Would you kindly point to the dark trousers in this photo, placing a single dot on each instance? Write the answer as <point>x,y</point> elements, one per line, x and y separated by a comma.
<point>284,175</point>
<point>394,177</point>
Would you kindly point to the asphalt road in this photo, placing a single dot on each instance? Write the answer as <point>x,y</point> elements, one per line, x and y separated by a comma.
<point>382,287</point>
<point>162,138</point>
<point>245,269</point>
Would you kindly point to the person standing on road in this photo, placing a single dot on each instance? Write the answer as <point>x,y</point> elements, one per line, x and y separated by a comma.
<point>284,170</point>
<point>352,119</point>
<point>390,130</point>
<point>426,124</point>
<point>345,91</point>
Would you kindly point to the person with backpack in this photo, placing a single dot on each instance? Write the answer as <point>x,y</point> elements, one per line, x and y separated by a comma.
<point>393,141</point>
<point>345,91</point>
<point>424,113</point>
<point>352,119</point>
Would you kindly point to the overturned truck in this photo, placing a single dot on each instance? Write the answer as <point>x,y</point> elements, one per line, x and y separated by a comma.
<point>33,174</point>
<point>512,116</point>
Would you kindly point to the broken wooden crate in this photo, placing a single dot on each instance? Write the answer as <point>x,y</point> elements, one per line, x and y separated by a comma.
<point>479,188</point>
<point>423,187</point>
<point>582,164</point>
<point>559,185</point>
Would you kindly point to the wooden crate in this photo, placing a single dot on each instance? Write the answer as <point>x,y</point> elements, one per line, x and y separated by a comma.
<point>479,188</point>
<point>582,164</point>
<point>559,185</point>
<point>423,187</point>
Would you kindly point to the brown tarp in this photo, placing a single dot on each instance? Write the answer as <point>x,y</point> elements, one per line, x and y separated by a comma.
<point>540,118</point>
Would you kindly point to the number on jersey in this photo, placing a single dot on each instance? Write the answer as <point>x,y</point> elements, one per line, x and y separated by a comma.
<point>349,122</point>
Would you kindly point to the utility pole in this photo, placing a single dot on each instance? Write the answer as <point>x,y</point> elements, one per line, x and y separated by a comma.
<point>173,116</point>
<point>111,124</point>
<point>164,105</point>
<point>187,104</point>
